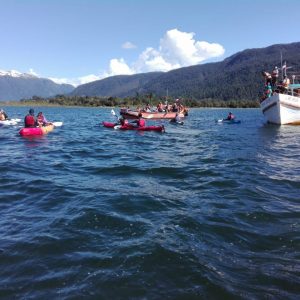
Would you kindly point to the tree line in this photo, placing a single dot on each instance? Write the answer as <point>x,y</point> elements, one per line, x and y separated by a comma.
<point>136,101</point>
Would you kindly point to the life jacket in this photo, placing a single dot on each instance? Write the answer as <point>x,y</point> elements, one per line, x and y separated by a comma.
<point>41,120</point>
<point>141,123</point>
<point>29,121</point>
<point>124,122</point>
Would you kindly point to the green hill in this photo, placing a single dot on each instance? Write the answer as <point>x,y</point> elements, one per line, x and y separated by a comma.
<point>237,77</point>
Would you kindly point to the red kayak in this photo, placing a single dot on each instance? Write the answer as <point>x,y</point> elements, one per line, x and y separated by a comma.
<point>160,128</point>
<point>36,130</point>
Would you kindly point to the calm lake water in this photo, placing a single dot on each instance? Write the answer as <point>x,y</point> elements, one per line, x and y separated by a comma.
<point>203,211</point>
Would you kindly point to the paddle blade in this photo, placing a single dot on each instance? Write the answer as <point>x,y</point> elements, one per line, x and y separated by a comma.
<point>57,124</point>
<point>113,112</point>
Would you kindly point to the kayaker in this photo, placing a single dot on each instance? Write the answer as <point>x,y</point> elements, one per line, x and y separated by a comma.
<point>30,120</point>
<point>41,120</point>
<point>230,116</point>
<point>140,122</point>
<point>3,115</point>
<point>123,121</point>
<point>176,119</point>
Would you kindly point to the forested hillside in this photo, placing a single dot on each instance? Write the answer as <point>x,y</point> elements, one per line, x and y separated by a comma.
<point>237,77</point>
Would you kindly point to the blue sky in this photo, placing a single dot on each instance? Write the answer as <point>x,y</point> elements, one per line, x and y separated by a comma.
<point>77,41</point>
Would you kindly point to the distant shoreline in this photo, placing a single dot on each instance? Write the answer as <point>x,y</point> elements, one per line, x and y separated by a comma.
<point>200,104</point>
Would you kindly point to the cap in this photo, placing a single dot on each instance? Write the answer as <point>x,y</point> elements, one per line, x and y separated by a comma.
<point>31,111</point>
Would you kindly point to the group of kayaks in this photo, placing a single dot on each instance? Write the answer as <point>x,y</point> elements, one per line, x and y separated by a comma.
<point>116,125</point>
<point>160,128</point>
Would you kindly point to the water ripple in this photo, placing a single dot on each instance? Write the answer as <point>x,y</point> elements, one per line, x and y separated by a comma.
<point>204,211</point>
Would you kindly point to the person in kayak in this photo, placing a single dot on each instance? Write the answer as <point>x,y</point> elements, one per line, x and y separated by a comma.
<point>41,120</point>
<point>176,119</point>
<point>30,120</point>
<point>3,115</point>
<point>230,117</point>
<point>123,121</point>
<point>140,122</point>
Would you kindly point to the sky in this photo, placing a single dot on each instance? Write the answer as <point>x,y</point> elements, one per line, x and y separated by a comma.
<point>78,41</point>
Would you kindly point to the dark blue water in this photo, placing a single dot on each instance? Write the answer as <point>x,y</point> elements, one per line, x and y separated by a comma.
<point>203,211</point>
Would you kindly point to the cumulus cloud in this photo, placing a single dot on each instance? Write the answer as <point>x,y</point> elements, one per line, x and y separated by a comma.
<point>176,49</point>
<point>128,45</point>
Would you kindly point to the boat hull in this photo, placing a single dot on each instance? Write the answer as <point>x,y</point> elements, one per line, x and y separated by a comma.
<point>36,130</point>
<point>281,109</point>
<point>131,114</point>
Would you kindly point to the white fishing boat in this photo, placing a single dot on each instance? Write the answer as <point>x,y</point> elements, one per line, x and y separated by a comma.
<point>283,108</point>
<point>281,103</point>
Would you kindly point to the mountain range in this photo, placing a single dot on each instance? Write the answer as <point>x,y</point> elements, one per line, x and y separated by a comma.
<point>15,86</point>
<point>236,77</point>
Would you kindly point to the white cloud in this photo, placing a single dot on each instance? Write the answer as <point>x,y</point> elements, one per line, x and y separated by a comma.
<point>176,49</point>
<point>128,45</point>
<point>76,81</point>
<point>119,67</point>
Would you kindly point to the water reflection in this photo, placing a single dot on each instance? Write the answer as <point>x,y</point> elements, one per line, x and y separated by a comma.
<point>277,152</point>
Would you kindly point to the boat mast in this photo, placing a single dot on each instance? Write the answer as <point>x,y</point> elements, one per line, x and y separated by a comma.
<point>281,65</point>
<point>167,96</point>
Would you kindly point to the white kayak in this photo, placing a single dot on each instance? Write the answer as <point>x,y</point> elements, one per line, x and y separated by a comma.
<point>10,122</point>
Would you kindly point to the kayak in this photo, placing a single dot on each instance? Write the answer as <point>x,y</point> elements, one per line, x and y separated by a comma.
<point>109,124</point>
<point>160,128</point>
<point>36,130</point>
<point>228,121</point>
<point>10,122</point>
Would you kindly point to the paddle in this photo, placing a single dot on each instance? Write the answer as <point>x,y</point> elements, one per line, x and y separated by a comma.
<point>57,124</point>
<point>114,114</point>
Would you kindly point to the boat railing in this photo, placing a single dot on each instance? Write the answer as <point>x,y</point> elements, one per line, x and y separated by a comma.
<point>294,90</point>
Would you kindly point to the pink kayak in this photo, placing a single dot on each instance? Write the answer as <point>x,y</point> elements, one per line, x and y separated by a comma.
<point>36,130</point>
<point>131,127</point>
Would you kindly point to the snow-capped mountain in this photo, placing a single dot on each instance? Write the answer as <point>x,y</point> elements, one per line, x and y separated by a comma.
<point>16,74</point>
<point>15,85</point>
